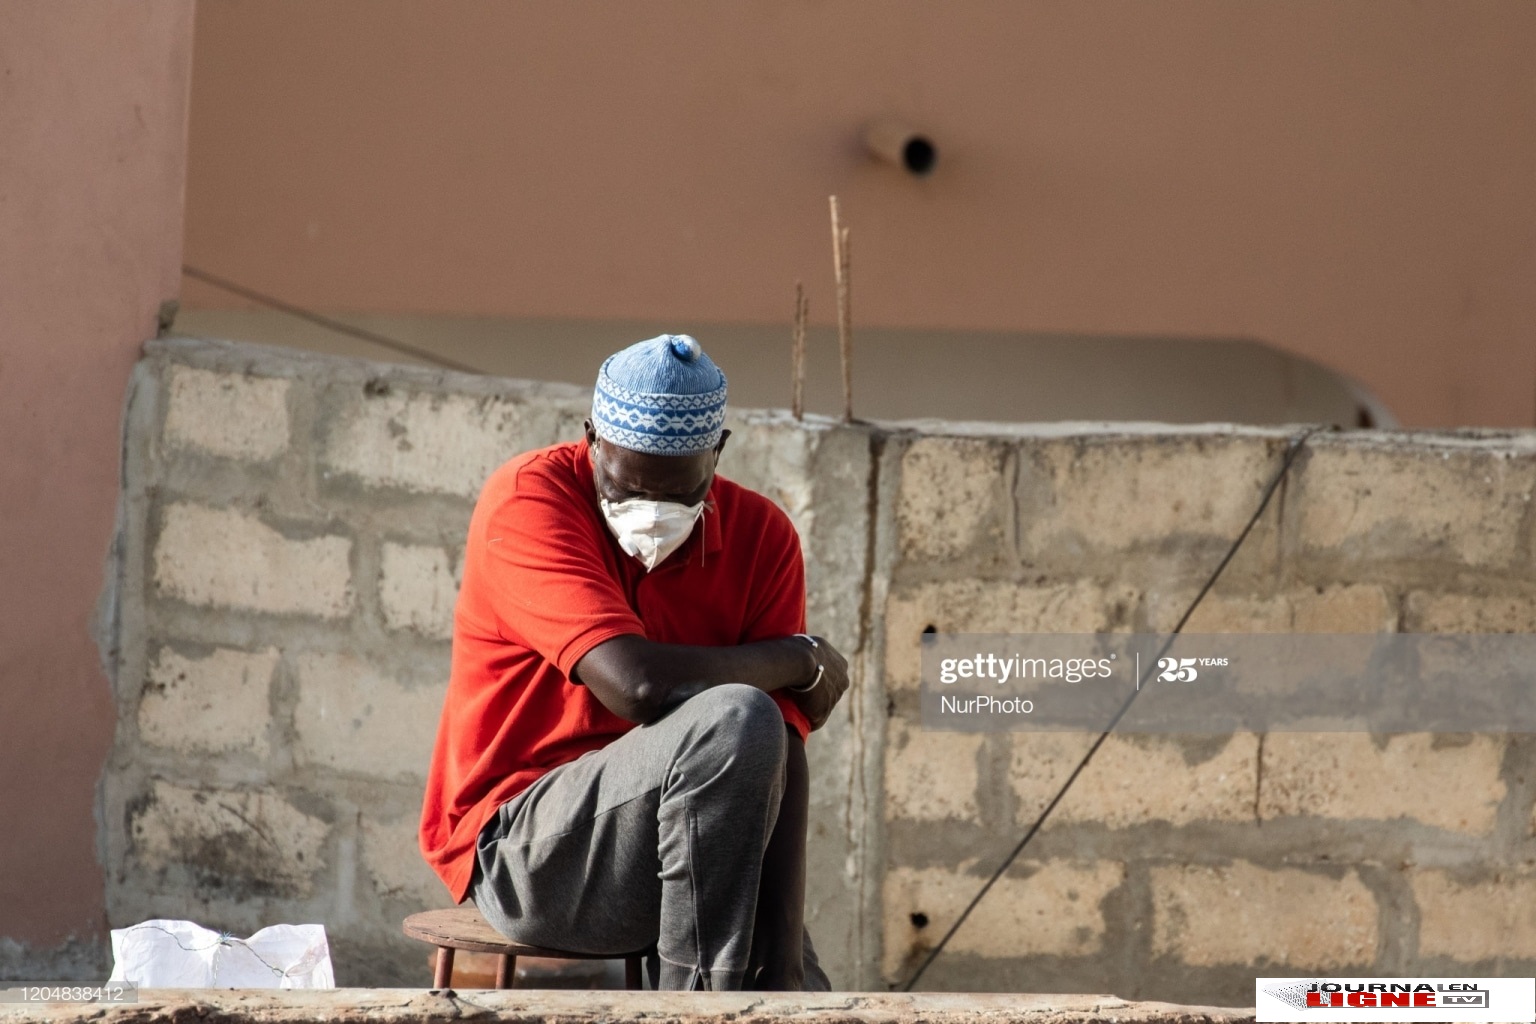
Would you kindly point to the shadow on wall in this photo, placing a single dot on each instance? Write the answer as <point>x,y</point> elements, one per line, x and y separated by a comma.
<point>898,374</point>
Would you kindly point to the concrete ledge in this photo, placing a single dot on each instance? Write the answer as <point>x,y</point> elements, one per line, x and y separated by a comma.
<point>387,1006</point>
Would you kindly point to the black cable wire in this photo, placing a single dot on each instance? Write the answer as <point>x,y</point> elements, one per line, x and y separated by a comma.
<point>1293,449</point>
<point>324,321</point>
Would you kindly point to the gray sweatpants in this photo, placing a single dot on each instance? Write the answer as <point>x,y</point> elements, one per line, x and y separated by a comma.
<point>657,838</point>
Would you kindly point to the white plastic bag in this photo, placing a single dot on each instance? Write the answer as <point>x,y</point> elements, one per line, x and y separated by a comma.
<point>180,954</point>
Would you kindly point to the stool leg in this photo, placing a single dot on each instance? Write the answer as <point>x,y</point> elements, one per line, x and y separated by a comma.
<point>506,971</point>
<point>632,973</point>
<point>442,974</point>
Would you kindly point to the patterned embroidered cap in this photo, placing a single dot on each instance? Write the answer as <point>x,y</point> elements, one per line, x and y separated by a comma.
<point>662,396</point>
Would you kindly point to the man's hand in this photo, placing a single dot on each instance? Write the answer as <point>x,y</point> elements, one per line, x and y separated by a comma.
<point>819,700</point>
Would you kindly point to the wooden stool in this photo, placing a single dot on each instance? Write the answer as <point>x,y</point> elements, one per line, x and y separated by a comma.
<point>465,928</point>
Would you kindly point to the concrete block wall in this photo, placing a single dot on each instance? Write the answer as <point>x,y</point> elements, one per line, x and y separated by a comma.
<point>290,545</point>
<point>1179,867</point>
<point>289,550</point>
<point>290,541</point>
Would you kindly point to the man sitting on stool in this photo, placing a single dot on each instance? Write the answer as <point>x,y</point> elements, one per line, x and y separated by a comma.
<point>620,761</point>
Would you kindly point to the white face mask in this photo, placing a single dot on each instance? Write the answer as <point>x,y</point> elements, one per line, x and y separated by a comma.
<point>650,530</point>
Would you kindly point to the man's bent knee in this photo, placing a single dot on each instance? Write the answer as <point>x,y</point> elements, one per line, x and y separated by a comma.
<point>746,718</point>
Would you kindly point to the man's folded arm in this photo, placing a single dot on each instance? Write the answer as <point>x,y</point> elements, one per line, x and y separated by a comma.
<point>639,680</point>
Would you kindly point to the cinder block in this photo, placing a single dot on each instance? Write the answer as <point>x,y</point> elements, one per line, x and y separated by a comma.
<point>1038,765</point>
<point>1038,908</point>
<point>930,776</point>
<point>953,497</point>
<point>1080,497</point>
<point>1343,609</point>
<point>1490,920</point>
<point>212,704</point>
<point>1348,608</point>
<point>229,414</point>
<point>1449,782</point>
<point>418,587</point>
<point>431,443</point>
<point>209,556</point>
<point>254,837</point>
<point>988,606</point>
<point>392,858</point>
<point>1429,612</point>
<point>354,718</point>
<point>1049,908</point>
<point>1412,503</point>
<point>1135,780</point>
<point>1223,613</point>
<point>1243,914</point>
<point>776,456</point>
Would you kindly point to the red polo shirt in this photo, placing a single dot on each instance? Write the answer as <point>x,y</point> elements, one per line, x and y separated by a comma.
<point>545,581</point>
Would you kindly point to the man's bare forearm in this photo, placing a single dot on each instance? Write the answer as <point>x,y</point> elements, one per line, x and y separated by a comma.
<point>639,680</point>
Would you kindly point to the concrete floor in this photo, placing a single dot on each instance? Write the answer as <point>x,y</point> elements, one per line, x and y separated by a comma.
<point>410,1006</point>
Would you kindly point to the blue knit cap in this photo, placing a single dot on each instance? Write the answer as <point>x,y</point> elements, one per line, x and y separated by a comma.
<point>662,396</point>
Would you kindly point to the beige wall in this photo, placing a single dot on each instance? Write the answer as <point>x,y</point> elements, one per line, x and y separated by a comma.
<point>93,101</point>
<point>1348,181</point>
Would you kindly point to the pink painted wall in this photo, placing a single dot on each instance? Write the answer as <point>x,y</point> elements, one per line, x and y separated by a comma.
<point>93,108</point>
<point>1349,181</point>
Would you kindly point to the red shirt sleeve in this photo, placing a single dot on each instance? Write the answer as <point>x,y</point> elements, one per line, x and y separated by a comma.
<point>544,575</point>
<point>778,607</point>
